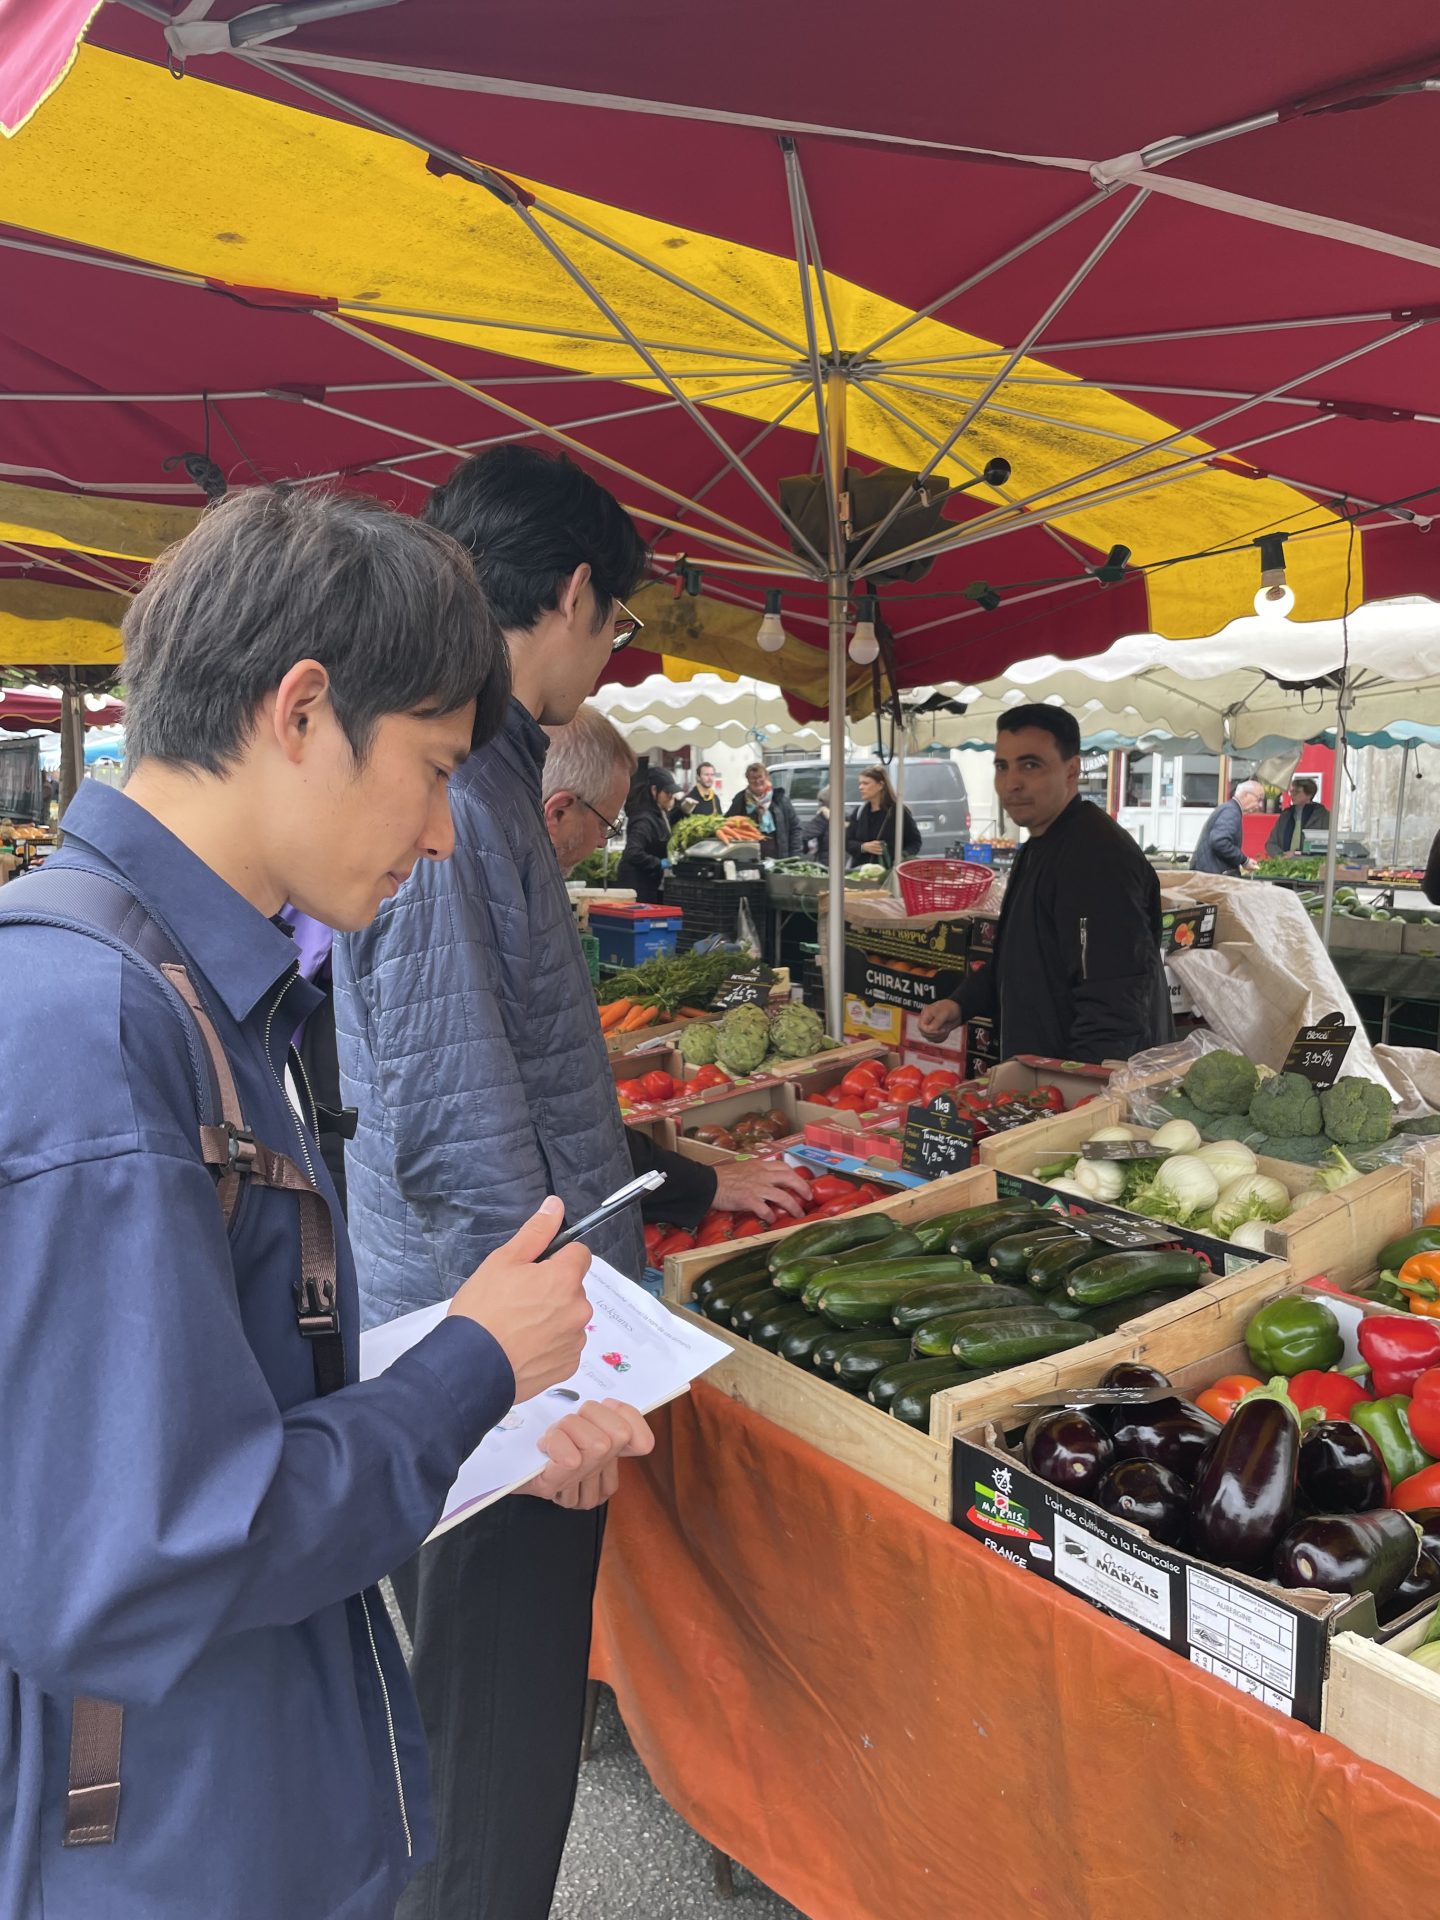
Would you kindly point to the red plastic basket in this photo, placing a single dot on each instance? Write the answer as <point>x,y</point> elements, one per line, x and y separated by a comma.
<point>943,886</point>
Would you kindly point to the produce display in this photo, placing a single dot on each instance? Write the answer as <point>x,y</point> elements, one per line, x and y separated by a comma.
<point>1280,1115</point>
<point>900,1313</point>
<point>699,830</point>
<point>1289,866</point>
<point>1299,1474</point>
<point>830,1196</point>
<point>1410,1270</point>
<point>745,1038</point>
<point>869,1085</point>
<point>666,984</point>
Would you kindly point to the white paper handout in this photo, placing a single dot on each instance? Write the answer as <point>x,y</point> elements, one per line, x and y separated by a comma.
<point>636,1350</point>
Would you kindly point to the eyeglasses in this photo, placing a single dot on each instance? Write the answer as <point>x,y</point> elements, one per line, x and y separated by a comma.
<point>613,828</point>
<point>626,629</point>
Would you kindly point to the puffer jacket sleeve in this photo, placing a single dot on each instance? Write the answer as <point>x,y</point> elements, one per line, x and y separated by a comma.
<point>434,984</point>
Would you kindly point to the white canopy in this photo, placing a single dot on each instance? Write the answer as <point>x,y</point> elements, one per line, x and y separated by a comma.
<point>1226,689</point>
<point>705,711</point>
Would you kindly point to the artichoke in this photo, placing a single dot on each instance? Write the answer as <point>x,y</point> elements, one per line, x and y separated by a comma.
<point>796,1031</point>
<point>742,1040</point>
<point>698,1044</point>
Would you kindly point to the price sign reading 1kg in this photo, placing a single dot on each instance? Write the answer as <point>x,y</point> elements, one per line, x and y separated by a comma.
<point>938,1139</point>
<point>748,989</point>
<point>1319,1052</point>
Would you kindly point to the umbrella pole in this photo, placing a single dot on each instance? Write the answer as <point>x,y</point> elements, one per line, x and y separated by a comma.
<point>1400,804</point>
<point>839,579</point>
<point>901,755</point>
<point>1341,710</point>
<point>72,743</point>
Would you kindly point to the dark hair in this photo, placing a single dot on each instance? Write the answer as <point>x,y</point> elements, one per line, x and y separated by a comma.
<point>641,797</point>
<point>529,520</point>
<point>879,773</point>
<point>702,766</point>
<point>1062,726</point>
<point>274,575</point>
<point>1312,787</point>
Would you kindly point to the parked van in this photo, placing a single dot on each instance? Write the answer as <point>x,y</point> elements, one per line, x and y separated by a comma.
<point>934,793</point>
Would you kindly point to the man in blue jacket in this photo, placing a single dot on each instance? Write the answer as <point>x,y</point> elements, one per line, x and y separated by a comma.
<point>199,1497</point>
<point>471,1047</point>
<point>1221,846</point>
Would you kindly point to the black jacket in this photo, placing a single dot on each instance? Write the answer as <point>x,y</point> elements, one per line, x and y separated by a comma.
<point>785,840</point>
<point>703,804</point>
<point>1076,971</point>
<point>878,823</point>
<point>1294,821</point>
<point>646,838</point>
<point>689,1190</point>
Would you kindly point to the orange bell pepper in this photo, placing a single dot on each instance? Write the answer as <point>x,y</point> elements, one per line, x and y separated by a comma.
<point>1420,1278</point>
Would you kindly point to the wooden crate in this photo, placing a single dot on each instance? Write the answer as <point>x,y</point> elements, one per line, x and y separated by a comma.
<point>912,1464</point>
<point>1338,1237</point>
<point>1385,1707</point>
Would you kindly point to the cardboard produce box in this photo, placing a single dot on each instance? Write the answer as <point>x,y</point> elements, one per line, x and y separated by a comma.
<point>1270,1642</point>
<point>913,1464</point>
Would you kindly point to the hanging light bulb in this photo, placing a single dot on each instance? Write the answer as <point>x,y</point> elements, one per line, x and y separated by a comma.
<point>771,637</point>
<point>864,642</point>
<point>1275,598</point>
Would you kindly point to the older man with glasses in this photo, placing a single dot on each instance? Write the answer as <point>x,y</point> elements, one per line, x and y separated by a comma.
<point>470,1044</point>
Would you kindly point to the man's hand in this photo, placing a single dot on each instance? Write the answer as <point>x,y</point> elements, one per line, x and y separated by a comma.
<point>872,846</point>
<point>538,1313</point>
<point>939,1020</point>
<point>585,1450</point>
<point>760,1187</point>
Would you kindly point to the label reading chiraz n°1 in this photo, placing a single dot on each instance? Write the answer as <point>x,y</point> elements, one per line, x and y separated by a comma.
<point>1241,1638</point>
<point>1120,1582</point>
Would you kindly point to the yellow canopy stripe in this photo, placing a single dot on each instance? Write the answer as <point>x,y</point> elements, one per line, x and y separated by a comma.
<point>90,522</point>
<point>45,626</point>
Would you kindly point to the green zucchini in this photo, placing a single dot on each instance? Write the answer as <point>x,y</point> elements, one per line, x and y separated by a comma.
<point>1120,1312</point>
<point>912,1404</point>
<point>824,1355</point>
<point>717,1304</point>
<point>864,1296</point>
<point>1117,1276</point>
<point>909,1374</point>
<point>831,1236</point>
<point>755,1306</point>
<point>738,1267</point>
<point>1011,1257</point>
<point>913,1309</point>
<point>794,1277</point>
<point>1051,1262</point>
<point>858,1364</point>
<point>935,1232</point>
<point>802,1339</point>
<point>1009,1339</point>
<point>771,1328</point>
<point>974,1242</point>
<point>937,1337</point>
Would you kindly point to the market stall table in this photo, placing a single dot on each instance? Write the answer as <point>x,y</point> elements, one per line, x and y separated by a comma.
<point>884,1722</point>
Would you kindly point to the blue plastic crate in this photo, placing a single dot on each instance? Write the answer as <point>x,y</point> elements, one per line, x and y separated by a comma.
<point>981,853</point>
<point>630,934</point>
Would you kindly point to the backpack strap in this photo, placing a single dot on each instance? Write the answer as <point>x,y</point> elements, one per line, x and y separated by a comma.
<point>91,903</point>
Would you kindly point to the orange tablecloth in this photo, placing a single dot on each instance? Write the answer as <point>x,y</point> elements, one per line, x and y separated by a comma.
<point>886,1722</point>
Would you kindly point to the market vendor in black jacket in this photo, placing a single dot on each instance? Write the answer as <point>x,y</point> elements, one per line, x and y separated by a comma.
<point>770,809</point>
<point>647,834</point>
<point>1076,971</point>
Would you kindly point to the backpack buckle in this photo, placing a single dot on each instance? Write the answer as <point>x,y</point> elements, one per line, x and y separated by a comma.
<point>241,1149</point>
<point>316,1314</point>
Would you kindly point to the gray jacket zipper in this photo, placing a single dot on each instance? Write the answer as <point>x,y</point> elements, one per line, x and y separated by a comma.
<point>1084,948</point>
<point>364,1598</point>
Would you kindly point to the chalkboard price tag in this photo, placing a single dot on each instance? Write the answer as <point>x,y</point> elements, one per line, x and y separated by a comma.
<point>1134,1234</point>
<point>1319,1052</point>
<point>938,1139</point>
<point>1121,1150</point>
<point>748,989</point>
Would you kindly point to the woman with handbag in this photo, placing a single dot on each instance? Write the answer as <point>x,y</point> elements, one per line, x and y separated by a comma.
<point>870,835</point>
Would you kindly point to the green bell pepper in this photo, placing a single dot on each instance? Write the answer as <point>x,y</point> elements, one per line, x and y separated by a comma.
<point>1386,1424</point>
<point>1293,1335</point>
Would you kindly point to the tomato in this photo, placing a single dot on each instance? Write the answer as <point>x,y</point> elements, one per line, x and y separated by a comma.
<point>708,1077</point>
<point>831,1209</point>
<point>657,1086</point>
<point>654,1234</point>
<point>858,1081</point>
<point>938,1082</point>
<point>866,1192</point>
<point>712,1232</point>
<point>903,1083</point>
<point>674,1242</point>
<point>853,1102</point>
<point>820,1099</point>
<point>747,1225</point>
<point>875,1069</point>
<point>831,1187</point>
<point>1045,1099</point>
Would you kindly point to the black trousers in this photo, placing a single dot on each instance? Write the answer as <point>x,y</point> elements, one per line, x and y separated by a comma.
<point>498,1611</point>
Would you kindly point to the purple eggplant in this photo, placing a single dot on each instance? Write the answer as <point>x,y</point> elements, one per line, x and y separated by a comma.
<point>1428,1521</point>
<point>1068,1449</point>
<point>1148,1495</point>
<point>1172,1433</point>
<point>1130,1373</point>
<point>1423,1584</point>
<point>1339,1470</point>
<point>1244,1497</point>
<point>1350,1553</point>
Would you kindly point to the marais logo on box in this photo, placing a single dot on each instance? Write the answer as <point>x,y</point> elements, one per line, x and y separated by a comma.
<point>1118,1581</point>
<point>997,1512</point>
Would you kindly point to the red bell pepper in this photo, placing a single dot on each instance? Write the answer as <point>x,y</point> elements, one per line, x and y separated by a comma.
<point>1333,1393</point>
<point>1425,1411</point>
<point>1422,1489</point>
<point>1046,1099</point>
<point>1398,1348</point>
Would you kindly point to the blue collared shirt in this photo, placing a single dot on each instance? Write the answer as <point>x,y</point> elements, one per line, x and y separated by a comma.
<point>185,1527</point>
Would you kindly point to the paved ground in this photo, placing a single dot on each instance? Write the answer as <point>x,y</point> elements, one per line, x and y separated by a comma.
<point>629,1857</point>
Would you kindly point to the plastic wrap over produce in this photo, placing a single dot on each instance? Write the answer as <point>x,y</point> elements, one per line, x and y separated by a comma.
<point>1267,974</point>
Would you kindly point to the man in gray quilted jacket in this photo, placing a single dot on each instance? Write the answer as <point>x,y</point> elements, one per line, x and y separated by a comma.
<point>470,1044</point>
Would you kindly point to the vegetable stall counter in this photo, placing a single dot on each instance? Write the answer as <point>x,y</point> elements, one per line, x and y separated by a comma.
<point>884,1721</point>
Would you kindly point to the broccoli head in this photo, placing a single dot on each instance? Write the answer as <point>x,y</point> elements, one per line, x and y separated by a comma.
<point>1227,1126</point>
<point>1287,1104</point>
<point>1306,1150</point>
<point>1182,1107</point>
<point>1356,1112</point>
<point>1221,1083</point>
